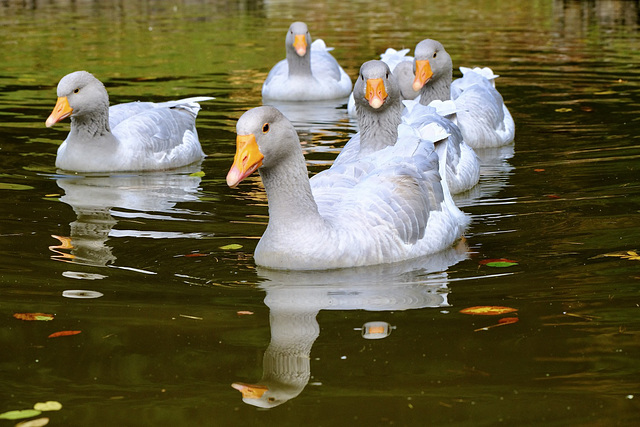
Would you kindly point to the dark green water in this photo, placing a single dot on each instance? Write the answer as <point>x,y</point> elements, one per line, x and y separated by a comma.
<point>164,343</point>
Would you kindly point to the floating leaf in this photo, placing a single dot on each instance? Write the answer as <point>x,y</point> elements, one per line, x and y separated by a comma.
<point>605,92</point>
<point>630,255</point>
<point>38,422</point>
<point>488,310</point>
<point>195,255</point>
<point>563,110</point>
<point>63,334</point>
<point>49,405</point>
<point>498,262</point>
<point>199,173</point>
<point>17,415</point>
<point>8,186</point>
<point>34,316</point>
<point>232,246</point>
<point>244,313</point>
<point>538,170</point>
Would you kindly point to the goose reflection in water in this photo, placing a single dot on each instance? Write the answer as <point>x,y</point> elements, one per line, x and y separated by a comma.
<point>99,200</point>
<point>295,298</point>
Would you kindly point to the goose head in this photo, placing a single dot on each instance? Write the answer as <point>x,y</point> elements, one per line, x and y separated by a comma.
<point>265,138</point>
<point>376,88</point>
<point>432,62</point>
<point>298,39</point>
<point>81,96</point>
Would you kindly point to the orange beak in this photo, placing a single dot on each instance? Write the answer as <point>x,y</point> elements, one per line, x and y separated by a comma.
<point>250,391</point>
<point>423,74</point>
<point>375,93</point>
<point>300,44</point>
<point>62,110</point>
<point>248,158</point>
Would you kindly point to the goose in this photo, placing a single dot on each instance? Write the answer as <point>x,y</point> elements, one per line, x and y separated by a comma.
<point>482,116</point>
<point>380,110</point>
<point>401,65</point>
<point>384,208</point>
<point>309,73</point>
<point>135,136</point>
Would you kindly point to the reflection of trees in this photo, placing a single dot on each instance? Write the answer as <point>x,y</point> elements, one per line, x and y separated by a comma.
<point>295,298</point>
<point>575,18</point>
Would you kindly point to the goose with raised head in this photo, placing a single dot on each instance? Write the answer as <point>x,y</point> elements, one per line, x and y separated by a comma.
<point>134,136</point>
<point>309,72</point>
<point>384,208</point>
<point>380,109</point>
<point>482,116</point>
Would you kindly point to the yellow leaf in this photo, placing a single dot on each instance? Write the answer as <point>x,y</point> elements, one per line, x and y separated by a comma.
<point>231,246</point>
<point>49,405</point>
<point>488,310</point>
<point>38,422</point>
<point>34,316</point>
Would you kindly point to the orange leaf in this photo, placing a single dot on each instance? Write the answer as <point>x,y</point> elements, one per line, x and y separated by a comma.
<point>507,320</point>
<point>33,316</point>
<point>488,310</point>
<point>63,334</point>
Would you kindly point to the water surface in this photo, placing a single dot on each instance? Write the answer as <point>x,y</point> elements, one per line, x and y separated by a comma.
<point>183,316</point>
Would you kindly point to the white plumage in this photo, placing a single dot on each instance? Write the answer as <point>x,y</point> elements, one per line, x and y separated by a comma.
<point>379,126</point>
<point>386,207</point>
<point>481,114</point>
<point>309,73</point>
<point>134,136</point>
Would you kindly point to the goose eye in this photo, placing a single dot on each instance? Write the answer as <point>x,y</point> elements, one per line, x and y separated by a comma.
<point>76,90</point>
<point>265,128</point>
<point>272,399</point>
<point>435,54</point>
<point>386,76</point>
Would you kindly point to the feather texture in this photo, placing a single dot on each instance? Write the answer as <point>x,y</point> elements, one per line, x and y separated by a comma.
<point>309,73</point>
<point>385,207</point>
<point>134,136</point>
<point>481,114</point>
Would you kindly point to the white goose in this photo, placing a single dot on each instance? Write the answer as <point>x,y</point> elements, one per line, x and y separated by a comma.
<point>135,136</point>
<point>380,110</point>
<point>481,114</point>
<point>384,208</point>
<point>401,65</point>
<point>307,74</point>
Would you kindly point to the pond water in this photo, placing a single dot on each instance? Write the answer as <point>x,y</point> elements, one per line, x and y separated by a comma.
<point>182,315</point>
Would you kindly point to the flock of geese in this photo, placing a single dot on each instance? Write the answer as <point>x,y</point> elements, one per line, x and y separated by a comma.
<point>388,195</point>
